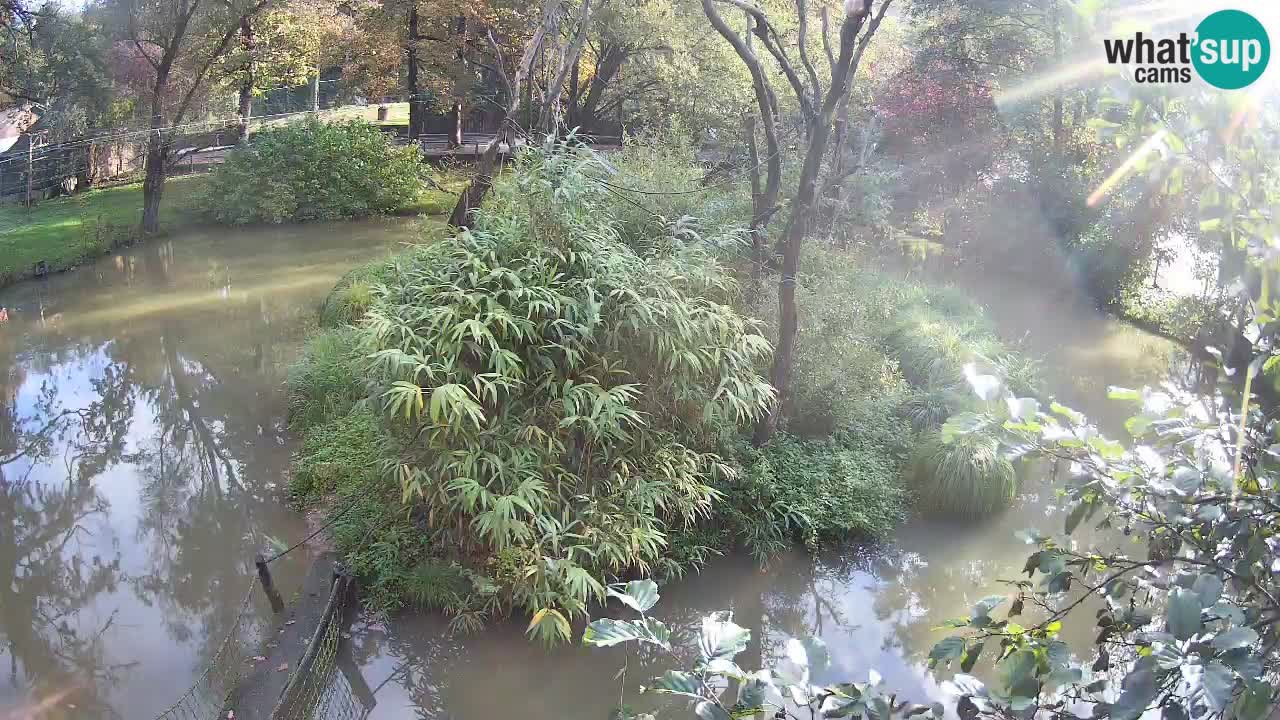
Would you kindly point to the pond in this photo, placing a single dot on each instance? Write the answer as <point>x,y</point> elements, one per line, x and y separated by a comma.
<point>126,542</point>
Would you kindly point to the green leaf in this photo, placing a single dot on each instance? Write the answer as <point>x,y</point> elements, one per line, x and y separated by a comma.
<point>1059,655</point>
<point>971,656</point>
<point>639,595</point>
<point>1218,682</point>
<point>707,710</point>
<point>1187,479</point>
<point>1018,668</point>
<point>1254,703</point>
<point>676,682</point>
<point>549,625</point>
<point>1183,613</point>
<point>607,632</point>
<point>1138,425</point>
<point>1208,588</point>
<point>1236,637</point>
<point>947,650</point>
<point>1139,689</point>
<point>721,637</point>
<point>961,424</point>
<point>1064,676</point>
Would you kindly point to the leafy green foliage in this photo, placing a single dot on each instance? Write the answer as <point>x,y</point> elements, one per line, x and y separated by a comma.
<point>1185,622</point>
<point>554,393</point>
<point>969,475</point>
<point>812,491</point>
<point>311,170</point>
<point>674,189</point>
<point>785,690</point>
<point>353,294</point>
<point>343,451</point>
<point>327,381</point>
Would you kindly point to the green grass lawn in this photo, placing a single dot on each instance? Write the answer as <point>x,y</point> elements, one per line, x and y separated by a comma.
<point>397,114</point>
<point>65,231</point>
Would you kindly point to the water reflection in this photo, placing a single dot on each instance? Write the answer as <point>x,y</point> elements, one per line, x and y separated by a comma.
<point>142,451</point>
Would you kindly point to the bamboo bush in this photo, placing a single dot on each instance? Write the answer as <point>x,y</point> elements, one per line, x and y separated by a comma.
<point>555,395</point>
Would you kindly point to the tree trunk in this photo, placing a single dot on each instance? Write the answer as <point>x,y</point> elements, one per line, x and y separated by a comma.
<point>610,62</point>
<point>802,213</point>
<point>416,119</point>
<point>575,95</point>
<point>455,137</point>
<point>245,106</point>
<point>463,214</point>
<point>552,113</point>
<point>153,183</point>
<point>761,212</point>
<point>758,242</point>
<point>1057,93</point>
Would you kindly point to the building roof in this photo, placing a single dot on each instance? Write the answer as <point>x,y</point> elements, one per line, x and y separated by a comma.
<point>13,123</point>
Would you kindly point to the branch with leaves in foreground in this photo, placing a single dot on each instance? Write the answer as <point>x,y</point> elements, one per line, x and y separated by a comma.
<point>784,690</point>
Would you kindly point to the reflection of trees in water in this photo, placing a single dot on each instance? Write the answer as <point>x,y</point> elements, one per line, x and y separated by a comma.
<point>213,425</point>
<point>42,591</point>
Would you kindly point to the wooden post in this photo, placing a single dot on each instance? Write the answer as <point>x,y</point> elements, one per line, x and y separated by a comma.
<point>31,151</point>
<point>269,587</point>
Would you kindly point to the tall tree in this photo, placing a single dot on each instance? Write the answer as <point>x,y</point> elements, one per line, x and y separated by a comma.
<point>817,110</point>
<point>181,41</point>
<point>490,160</point>
<point>764,201</point>
<point>52,59</point>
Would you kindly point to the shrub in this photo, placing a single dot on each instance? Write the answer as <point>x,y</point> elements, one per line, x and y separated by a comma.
<point>311,170</point>
<point>557,394</point>
<point>814,490</point>
<point>969,476</point>
<point>347,450</point>
<point>328,380</point>
<point>679,198</point>
<point>353,294</point>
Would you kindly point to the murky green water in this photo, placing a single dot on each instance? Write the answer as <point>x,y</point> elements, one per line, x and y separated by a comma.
<point>126,541</point>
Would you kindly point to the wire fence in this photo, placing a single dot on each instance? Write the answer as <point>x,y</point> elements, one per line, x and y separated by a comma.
<point>324,681</point>
<point>207,696</point>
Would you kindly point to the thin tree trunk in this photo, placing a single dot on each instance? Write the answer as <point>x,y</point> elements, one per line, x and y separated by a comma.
<point>551,110</point>
<point>1057,93</point>
<point>416,119</point>
<point>463,215</point>
<point>455,135</point>
<point>575,95</point>
<point>766,104</point>
<point>245,106</point>
<point>153,182</point>
<point>802,213</point>
<point>758,243</point>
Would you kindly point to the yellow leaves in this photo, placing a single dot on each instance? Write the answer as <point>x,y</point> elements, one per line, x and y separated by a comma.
<point>549,625</point>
